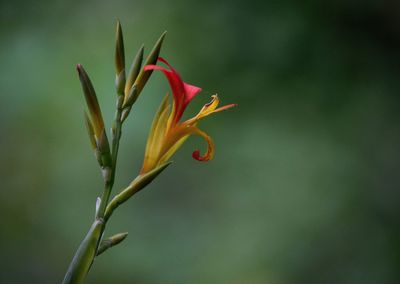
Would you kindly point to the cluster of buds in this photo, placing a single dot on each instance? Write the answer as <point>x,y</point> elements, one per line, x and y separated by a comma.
<point>128,90</point>
<point>129,87</point>
<point>95,124</point>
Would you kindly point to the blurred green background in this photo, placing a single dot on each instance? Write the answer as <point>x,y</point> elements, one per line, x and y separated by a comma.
<point>305,184</point>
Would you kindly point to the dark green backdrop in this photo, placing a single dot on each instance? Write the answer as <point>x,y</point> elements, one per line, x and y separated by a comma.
<point>305,184</point>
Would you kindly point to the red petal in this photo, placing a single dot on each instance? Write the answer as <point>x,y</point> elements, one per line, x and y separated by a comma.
<point>190,92</point>
<point>183,93</point>
<point>174,79</point>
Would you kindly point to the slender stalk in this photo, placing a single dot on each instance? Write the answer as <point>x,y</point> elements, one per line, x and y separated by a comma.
<point>117,132</point>
<point>116,136</point>
<point>87,250</point>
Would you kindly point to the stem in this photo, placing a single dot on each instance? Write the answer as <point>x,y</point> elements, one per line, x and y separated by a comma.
<point>116,136</point>
<point>87,250</point>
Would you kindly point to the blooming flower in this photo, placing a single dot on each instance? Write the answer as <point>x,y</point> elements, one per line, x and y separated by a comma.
<point>167,133</point>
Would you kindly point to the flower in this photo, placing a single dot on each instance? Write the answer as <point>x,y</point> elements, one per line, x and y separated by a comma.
<point>167,133</point>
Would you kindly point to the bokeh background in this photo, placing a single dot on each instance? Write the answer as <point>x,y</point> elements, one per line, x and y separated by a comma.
<point>305,185</point>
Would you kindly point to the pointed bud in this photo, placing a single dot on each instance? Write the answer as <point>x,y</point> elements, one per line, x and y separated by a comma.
<point>119,51</point>
<point>90,130</point>
<point>151,60</point>
<point>135,69</point>
<point>91,101</point>
<point>110,242</point>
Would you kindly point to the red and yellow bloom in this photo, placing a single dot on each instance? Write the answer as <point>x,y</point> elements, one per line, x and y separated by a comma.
<point>167,133</point>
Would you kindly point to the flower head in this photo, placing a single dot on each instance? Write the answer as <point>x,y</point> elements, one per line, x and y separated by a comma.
<point>167,132</point>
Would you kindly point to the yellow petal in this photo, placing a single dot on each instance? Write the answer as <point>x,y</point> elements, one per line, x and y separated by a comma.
<point>173,149</point>
<point>210,147</point>
<point>156,135</point>
<point>208,109</point>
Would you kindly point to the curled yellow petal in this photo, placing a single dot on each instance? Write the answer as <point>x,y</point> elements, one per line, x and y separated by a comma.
<point>210,147</point>
<point>176,138</point>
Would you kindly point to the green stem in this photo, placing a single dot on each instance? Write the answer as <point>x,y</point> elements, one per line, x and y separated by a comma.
<point>87,250</point>
<point>117,132</point>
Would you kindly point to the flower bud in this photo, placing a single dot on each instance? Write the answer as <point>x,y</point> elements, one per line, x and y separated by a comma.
<point>143,76</point>
<point>135,69</point>
<point>110,242</point>
<point>119,51</point>
<point>91,101</point>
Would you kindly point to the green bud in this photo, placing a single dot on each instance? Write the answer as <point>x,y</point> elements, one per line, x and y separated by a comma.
<point>119,51</point>
<point>91,101</point>
<point>110,242</point>
<point>135,69</point>
<point>143,76</point>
